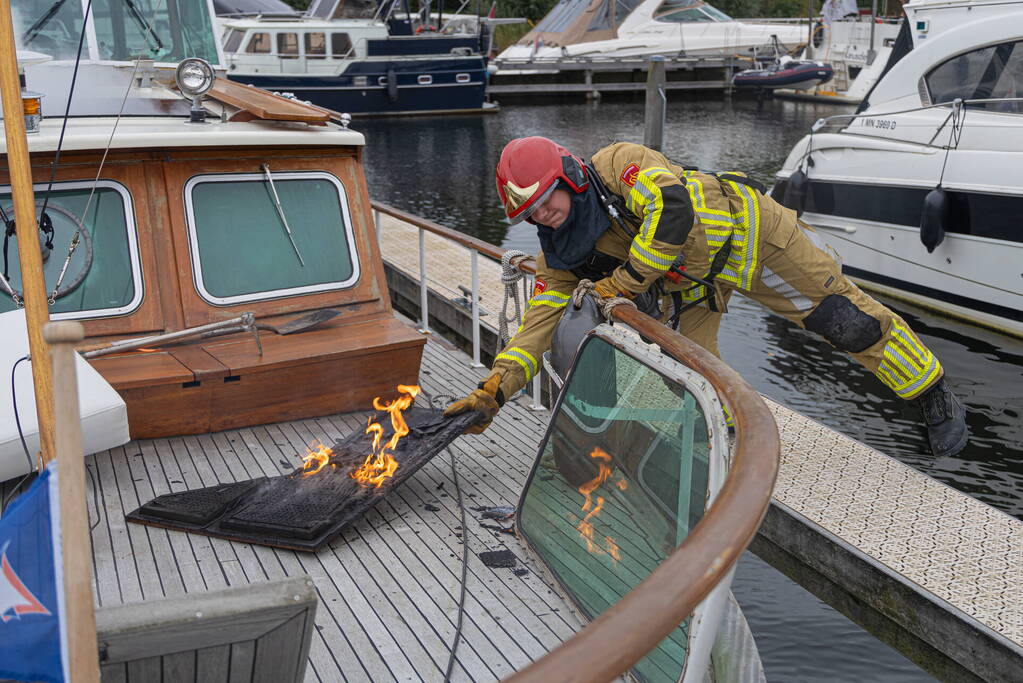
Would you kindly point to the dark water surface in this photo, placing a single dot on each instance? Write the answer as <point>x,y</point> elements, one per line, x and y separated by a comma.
<point>442,169</point>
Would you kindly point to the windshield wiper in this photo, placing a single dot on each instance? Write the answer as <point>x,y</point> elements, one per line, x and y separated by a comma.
<point>142,23</point>
<point>280,212</point>
<point>34,29</point>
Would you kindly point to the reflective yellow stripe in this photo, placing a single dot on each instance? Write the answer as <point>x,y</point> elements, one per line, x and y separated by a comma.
<point>522,357</point>
<point>554,299</point>
<point>907,367</point>
<point>650,256</point>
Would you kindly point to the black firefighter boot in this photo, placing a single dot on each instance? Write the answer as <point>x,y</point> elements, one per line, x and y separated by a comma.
<point>945,418</point>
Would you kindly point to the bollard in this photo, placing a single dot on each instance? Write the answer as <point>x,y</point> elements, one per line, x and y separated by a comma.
<point>656,105</point>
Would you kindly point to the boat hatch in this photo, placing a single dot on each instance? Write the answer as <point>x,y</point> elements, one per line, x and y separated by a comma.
<point>634,452</point>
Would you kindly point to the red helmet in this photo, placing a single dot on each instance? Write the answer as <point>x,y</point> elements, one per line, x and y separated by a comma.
<point>530,169</point>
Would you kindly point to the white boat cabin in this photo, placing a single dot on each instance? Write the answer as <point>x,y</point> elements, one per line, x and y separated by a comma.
<point>297,46</point>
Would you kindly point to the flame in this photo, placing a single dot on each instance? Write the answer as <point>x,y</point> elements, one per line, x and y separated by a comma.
<point>593,505</point>
<point>380,465</point>
<point>316,458</point>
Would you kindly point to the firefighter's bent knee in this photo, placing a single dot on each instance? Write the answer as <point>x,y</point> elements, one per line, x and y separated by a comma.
<point>838,320</point>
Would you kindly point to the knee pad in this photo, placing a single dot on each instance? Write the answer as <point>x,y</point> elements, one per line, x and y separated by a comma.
<point>846,327</point>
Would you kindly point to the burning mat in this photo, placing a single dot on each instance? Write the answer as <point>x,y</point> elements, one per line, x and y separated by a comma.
<point>308,508</point>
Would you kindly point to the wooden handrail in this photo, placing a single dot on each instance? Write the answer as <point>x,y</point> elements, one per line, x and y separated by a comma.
<point>613,642</point>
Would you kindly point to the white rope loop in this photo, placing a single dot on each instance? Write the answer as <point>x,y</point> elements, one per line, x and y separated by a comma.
<point>510,277</point>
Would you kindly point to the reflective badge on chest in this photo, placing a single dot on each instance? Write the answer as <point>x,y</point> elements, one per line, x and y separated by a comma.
<point>629,175</point>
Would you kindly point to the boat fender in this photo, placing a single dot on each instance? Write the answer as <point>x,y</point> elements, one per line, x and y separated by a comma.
<point>392,85</point>
<point>795,191</point>
<point>846,327</point>
<point>934,218</point>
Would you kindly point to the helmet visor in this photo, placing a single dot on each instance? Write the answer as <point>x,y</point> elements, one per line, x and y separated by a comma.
<point>516,197</point>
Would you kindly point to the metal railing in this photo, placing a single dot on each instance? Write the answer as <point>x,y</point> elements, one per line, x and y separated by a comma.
<point>612,643</point>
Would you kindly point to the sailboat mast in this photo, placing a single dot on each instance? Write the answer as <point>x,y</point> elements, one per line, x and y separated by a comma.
<point>33,287</point>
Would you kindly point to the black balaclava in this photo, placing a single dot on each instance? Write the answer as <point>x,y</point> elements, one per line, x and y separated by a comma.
<point>568,246</point>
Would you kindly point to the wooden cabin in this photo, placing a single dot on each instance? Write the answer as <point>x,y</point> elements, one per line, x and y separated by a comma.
<point>181,229</point>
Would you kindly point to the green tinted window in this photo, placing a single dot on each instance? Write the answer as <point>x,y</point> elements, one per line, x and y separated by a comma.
<point>103,275</point>
<point>164,30</point>
<point>240,246</point>
<point>622,478</point>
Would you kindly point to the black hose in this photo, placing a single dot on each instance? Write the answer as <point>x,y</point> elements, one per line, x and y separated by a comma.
<point>21,435</point>
<point>465,568</point>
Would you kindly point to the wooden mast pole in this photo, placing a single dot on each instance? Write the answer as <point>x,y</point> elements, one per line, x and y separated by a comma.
<point>79,612</point>
<point>33,287</point>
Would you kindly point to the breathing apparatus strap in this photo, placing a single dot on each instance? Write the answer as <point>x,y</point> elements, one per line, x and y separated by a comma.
<point>613,204</point>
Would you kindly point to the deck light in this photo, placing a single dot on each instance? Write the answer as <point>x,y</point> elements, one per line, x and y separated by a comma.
<point>31,105</point>
<point>195,77</point>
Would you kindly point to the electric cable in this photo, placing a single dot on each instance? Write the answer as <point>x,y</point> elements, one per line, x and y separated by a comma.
<point>67,109</point>
<point>21,435</point>
<point>465,570</point>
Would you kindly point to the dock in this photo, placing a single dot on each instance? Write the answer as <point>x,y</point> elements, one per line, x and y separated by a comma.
<point>926,568</point>
<point>595,76</point>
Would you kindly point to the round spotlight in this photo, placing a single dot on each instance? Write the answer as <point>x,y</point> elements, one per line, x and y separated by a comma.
<point>194,77</point>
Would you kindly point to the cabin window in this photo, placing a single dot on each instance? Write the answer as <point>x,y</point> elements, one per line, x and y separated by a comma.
<point>287,44</point>
<point>621,479</point>
<point>259,44</point>
<point>109,285</point>
<point>462,78</point>
<point>424,79</point>
<point>315,46</point>
<point>993,72</point>
<point>232,39</point>
<point>685,11</point>
<point>340,44</point>
<point>240,247</point>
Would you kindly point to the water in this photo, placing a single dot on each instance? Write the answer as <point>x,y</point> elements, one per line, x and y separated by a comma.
<point>442,169</point>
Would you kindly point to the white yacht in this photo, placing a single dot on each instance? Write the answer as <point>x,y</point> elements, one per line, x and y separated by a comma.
<point>921,190</point>
<point>638,28</point>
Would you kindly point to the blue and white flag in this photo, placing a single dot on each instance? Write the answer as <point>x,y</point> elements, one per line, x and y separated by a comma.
<point>33,633</point>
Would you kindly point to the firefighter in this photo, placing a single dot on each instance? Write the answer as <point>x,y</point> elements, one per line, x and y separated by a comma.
<point>631,220</point>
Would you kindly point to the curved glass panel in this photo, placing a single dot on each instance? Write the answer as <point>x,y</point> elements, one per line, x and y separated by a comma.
<point>622,478</point>
<point>991,72</point>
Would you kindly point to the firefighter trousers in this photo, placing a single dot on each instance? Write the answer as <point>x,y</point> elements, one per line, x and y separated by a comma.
<point>801,279</point>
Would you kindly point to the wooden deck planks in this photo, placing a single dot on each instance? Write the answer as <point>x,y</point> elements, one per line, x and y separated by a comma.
<point>388,587</point>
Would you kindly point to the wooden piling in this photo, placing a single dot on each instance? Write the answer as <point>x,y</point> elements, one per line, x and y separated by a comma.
<point>83,653</point>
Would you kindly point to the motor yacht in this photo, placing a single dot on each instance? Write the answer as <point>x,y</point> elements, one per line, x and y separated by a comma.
<point>358,59</point>
<point>920,190</point>
<point>611,29</point>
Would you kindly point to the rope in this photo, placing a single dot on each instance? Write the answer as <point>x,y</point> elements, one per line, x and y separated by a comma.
<point>510,277</point>
<point>606,305</point>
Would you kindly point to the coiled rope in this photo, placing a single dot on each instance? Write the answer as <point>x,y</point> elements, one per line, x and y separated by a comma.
<point>606,305</point>
<point>510,278</point>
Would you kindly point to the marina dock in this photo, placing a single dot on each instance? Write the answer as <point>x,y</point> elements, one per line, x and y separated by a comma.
<point>924,567</point>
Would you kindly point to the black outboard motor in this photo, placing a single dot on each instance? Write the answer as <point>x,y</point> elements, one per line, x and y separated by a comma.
<point>934,218</point>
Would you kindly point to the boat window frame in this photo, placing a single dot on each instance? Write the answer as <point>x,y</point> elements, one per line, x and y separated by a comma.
<point>1016,51</point>
<point>250,39</point>
<point>134,255</point>
<point>719,457</point>
<point>269,295</point>
<point>351,44</point>
<point>306,35</point>
<point>278,35</point>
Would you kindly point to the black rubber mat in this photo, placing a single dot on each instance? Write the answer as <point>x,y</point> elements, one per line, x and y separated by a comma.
<point>303,512</point>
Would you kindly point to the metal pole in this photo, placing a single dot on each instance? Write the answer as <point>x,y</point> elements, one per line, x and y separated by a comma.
<point>37,311</point>
<point>475,309</point>
<point>872,53</point>
<point>83,653</point>
<point>424,315</point>
<point>656,105</point>
<point>809,30</point>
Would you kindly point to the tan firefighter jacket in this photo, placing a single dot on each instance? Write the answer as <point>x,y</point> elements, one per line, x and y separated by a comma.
<point>668,211</point>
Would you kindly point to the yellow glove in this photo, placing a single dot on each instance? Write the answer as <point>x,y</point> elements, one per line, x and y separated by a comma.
<point>487,399</point>
<point>607,289</point>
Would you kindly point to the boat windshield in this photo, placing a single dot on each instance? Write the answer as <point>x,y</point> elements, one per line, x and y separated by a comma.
<point>623,476</point>
<point>166,31</point>
<point>688,11</point>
